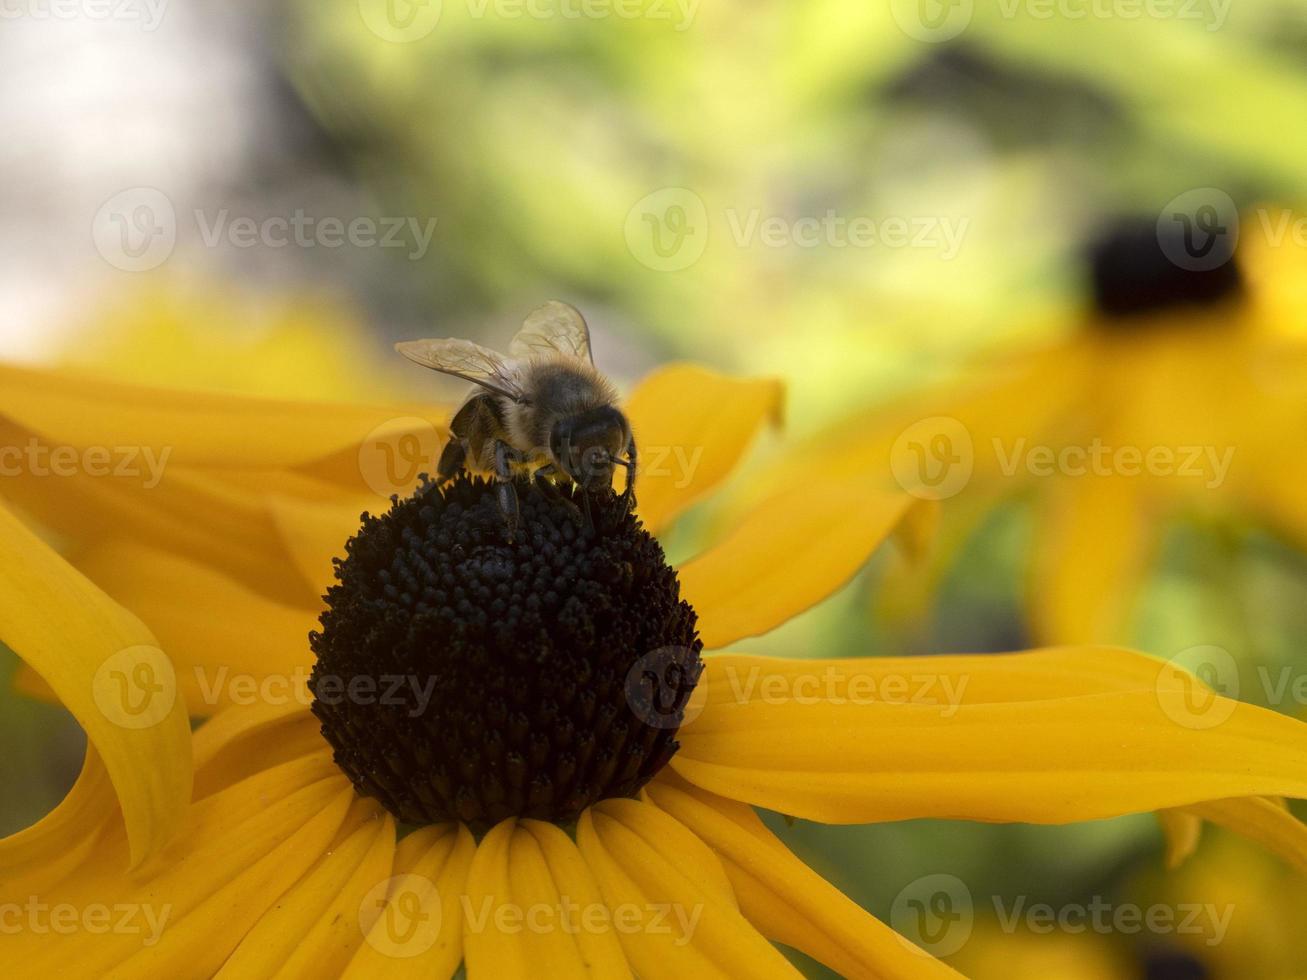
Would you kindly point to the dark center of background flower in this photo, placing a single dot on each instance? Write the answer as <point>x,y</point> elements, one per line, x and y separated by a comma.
<point>1172,964</point>
<point>464,676</point>
<point>1139,267</point>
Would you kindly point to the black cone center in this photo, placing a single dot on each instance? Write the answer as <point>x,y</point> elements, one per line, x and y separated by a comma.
<point>461,675</point>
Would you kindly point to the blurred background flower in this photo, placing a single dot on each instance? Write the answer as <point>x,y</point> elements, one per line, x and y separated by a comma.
<point>867,199</point>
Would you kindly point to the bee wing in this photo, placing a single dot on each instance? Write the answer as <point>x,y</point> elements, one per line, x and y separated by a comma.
<point>554,328</point>
<point>466,360</point>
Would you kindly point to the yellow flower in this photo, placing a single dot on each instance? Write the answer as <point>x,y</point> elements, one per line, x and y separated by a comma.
<point>1233,912</point>
<point>1024,954</point>
<point>1245,914</point>
<point>1182,395</point>
<point>245,849</point>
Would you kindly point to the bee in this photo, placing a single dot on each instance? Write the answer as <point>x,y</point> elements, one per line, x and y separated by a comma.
<point>543,406</point>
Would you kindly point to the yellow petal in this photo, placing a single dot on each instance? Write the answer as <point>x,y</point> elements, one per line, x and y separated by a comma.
<point>241,742</point>
<point>785,899</point>
<point>1181,830</point>
<point>228,642</point>
<point>692,426</point>
<point>944,680</point>
<point>1266,821</point>
<point>789,553</point>
<point>196,899</point>
<point>644,860</point>
<point>390,460</point>
<point>200,940</point>
<point>1093,547</point>
<point>185,512</point>
<point>315,532</point>
<point>313,929</point>
<point>38,857</point>
<point>926,747</point>
<point>534,909</point>
<point>192,427</point>
<point>910,585</point>
<point>1017,401</point>
<point>417,916</point>
<point>109,672</point>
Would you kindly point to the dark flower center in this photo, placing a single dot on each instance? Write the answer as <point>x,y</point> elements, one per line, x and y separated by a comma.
<point>1138,267</point>
<point>461,675</point>
<point>1173,964</point>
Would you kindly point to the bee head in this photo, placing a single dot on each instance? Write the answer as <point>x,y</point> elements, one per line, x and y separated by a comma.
<point>588,447</point>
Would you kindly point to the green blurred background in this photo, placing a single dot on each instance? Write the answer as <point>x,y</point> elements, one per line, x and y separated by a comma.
<point>689,175</point>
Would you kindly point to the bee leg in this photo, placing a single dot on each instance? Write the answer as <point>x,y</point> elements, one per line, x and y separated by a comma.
<point>505,456</point>
<point>628,491</point>
<point>467,422</point>
<point>589,515</point>
<point>452,459</point>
